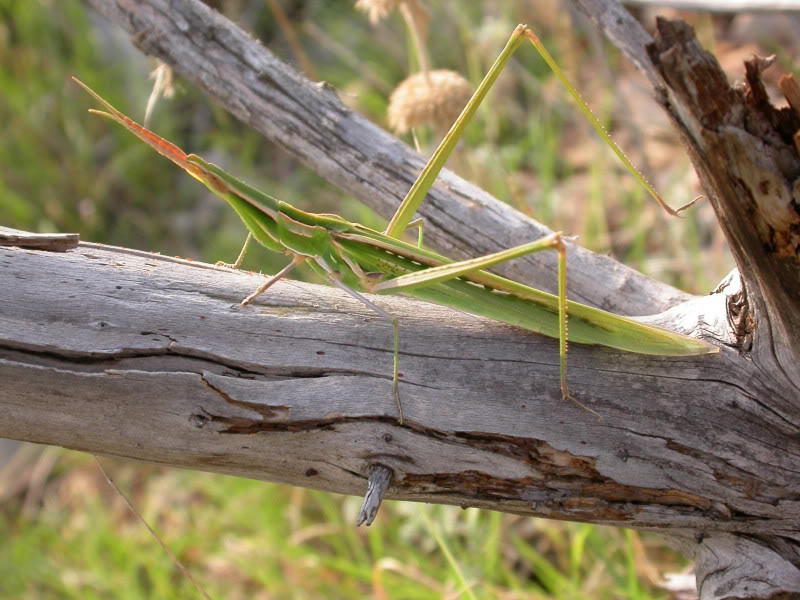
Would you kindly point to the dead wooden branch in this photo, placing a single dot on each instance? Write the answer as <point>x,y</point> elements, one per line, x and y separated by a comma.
<point>133,354</point>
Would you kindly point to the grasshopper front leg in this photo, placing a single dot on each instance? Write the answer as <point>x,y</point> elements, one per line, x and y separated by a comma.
<point>297,260</point>
<point>238,262</point>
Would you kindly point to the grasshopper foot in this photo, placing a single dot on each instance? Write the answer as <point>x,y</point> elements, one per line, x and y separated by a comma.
<point>234,265</point>
<point>565,395</point>
<point>396,390</point>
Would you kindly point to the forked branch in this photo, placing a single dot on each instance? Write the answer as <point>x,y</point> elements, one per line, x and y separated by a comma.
<point>744,151</point>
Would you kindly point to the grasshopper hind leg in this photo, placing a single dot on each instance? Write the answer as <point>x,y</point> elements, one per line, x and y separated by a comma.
<point>396,336</point>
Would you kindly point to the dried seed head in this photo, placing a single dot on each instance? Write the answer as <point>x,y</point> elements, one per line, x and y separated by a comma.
<point>163,86</point>
<point>432,98</point>
<point>377,9</point>
<point>163,77</point>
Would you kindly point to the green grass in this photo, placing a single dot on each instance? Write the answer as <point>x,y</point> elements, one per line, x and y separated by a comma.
<point>249,539</point>
<point>66,535</point>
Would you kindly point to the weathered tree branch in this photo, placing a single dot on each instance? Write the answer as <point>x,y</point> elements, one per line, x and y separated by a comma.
<point>132,354</point>
<point>159,357</point>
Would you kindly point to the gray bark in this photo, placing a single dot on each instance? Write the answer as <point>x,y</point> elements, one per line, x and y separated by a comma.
<point>136,355</point>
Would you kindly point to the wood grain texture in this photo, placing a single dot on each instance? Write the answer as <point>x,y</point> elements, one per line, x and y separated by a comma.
<point>309,121</point>
<point>132,354</point>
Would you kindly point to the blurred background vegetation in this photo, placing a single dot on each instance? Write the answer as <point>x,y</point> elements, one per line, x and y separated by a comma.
<point>66,535</point>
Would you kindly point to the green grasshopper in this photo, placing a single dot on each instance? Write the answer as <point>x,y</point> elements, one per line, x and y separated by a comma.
<point>359,259</point>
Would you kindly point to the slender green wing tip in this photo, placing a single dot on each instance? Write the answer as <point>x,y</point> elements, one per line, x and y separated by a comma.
<point>701,347</point>
<point>678,344</point>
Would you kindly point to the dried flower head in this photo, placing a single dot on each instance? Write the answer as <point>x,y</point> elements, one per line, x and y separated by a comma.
<point>162,86</point>
<point>377,9</point>
<point>429,98</point>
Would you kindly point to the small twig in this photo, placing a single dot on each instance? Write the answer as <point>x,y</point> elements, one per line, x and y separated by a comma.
<point>380,478</point>
<point>54,242</point>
